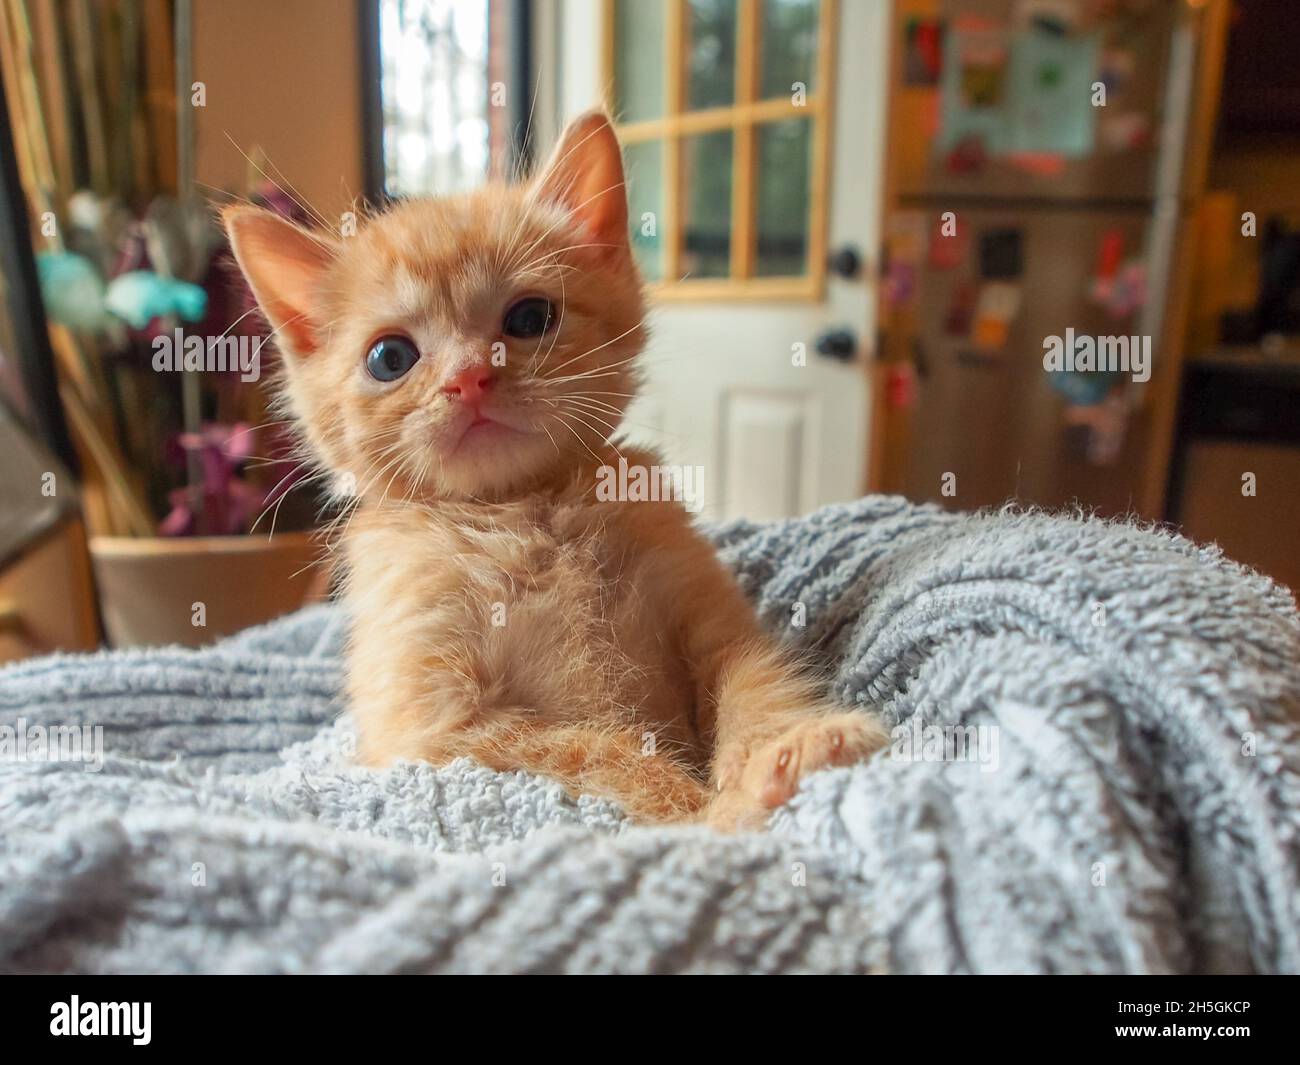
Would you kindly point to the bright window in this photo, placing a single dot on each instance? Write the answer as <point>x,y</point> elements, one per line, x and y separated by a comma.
<point>434,88</point>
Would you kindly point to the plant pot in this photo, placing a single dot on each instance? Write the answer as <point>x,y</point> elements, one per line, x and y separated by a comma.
<point>191,591</point>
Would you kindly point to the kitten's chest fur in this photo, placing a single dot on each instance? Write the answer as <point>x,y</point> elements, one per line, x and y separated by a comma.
<point>548,608</point>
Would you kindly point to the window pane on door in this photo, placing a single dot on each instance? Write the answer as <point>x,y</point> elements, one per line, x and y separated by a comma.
<point>711,33</point>
<point>724,159</point>
<point>706,225</point>
<point>789,53</point>
<point>639,35</point>
<point>784,193</point>
<point>645,194</point>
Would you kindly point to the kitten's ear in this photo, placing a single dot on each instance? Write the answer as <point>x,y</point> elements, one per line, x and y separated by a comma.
<point>284,265</point>
<point>585,175</point>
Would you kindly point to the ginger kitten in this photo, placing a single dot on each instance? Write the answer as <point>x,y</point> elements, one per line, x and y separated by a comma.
<point>463,362</point>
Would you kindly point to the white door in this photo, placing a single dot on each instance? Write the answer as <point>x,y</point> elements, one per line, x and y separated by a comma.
<point>744,172</point>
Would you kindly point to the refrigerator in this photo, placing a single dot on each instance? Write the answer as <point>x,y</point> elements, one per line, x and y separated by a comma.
<point>1036,196</point>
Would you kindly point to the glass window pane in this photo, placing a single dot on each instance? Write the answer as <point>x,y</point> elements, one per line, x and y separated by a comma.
<point>789,53</point>
<point>434,61</point>
<point>711,55</point>
<point>784,195</point>
<point>645,202</point>
<point>706,222</point>
<point>639,34</point>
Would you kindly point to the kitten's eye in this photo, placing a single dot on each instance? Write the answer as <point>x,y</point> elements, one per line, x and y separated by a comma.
<point>528,318</point>
<point>391,358</point>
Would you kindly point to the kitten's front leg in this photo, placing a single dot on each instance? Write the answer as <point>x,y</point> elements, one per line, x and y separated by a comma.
<point>611,761</point>
<point>769,726</point>
<point>772,731</point>
<point>437,722</point>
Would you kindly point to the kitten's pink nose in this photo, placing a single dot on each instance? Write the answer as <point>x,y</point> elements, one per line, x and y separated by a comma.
<point>470,385</point>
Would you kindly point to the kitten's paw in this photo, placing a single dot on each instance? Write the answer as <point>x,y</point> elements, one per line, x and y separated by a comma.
<point>771,774</point>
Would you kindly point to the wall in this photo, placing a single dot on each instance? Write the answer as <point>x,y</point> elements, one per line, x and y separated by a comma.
<point>285,77</point>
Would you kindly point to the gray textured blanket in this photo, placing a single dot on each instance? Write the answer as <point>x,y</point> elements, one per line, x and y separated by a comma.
<point>1096,768</point>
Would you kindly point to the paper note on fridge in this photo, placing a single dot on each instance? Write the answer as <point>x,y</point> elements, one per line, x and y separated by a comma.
<point>1022,93</point>
<point>1051,98</point>
<point>974,86</point>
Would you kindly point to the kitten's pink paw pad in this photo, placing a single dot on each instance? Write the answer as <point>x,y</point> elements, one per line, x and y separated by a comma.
<point>773,772</point>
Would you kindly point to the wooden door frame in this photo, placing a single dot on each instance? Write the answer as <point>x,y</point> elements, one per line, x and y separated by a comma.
<point>889,428</point>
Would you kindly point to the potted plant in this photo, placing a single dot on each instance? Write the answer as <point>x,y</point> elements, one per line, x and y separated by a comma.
<point>189,488</point>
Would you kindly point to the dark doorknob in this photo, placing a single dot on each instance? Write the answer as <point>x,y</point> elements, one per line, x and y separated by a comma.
<point>845,262</point>
<point>838,344</point>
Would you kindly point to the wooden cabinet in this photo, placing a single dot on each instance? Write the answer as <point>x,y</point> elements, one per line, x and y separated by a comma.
<point>47,597</point>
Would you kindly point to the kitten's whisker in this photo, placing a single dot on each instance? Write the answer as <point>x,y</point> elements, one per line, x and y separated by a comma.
<point>278,502</point>
<point>574,148</point>
<point>361,491</point>
<point>273,421</point>
<point>583,416</point>
<point>625,422</point>
<point>587,373</point>
<point>604,437</point>
<point>416,482</point>
<point>251,310</point>
<point>595,415</point>
<point>564,217</point>
<point>542,426</point>
<point>597,371</point>
<point>600,347</point>
<point>576,209</point>
<point>567,216</point>
<point>269,494</point>
<point>551,254</point>
<point>275,514</point>
<point>558,417</point>
<point>505,254</point>
<point>558,326</point>
<point>587,376</point>
<point>597,404</point>
<point>306,207</point>
<point>521,159</point>
<point>328,225</point>
<point>397,472</point>
<point>310,565</point>
<point>257,462</point>
<point>541,270</point>
<point>263,341</point>
<point>379,457</point>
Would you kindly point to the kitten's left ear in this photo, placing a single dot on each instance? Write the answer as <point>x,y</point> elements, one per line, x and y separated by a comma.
<point>585,176</point>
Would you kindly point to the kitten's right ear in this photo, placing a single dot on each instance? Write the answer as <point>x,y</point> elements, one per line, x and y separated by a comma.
<point>284,265</point>
<point>585,176</point>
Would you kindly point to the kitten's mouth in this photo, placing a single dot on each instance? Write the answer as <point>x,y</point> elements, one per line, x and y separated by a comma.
<point>481,430</point>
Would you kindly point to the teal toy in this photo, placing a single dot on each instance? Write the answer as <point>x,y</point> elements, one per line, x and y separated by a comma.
<point>72,290</point>
<point>141,296</point>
